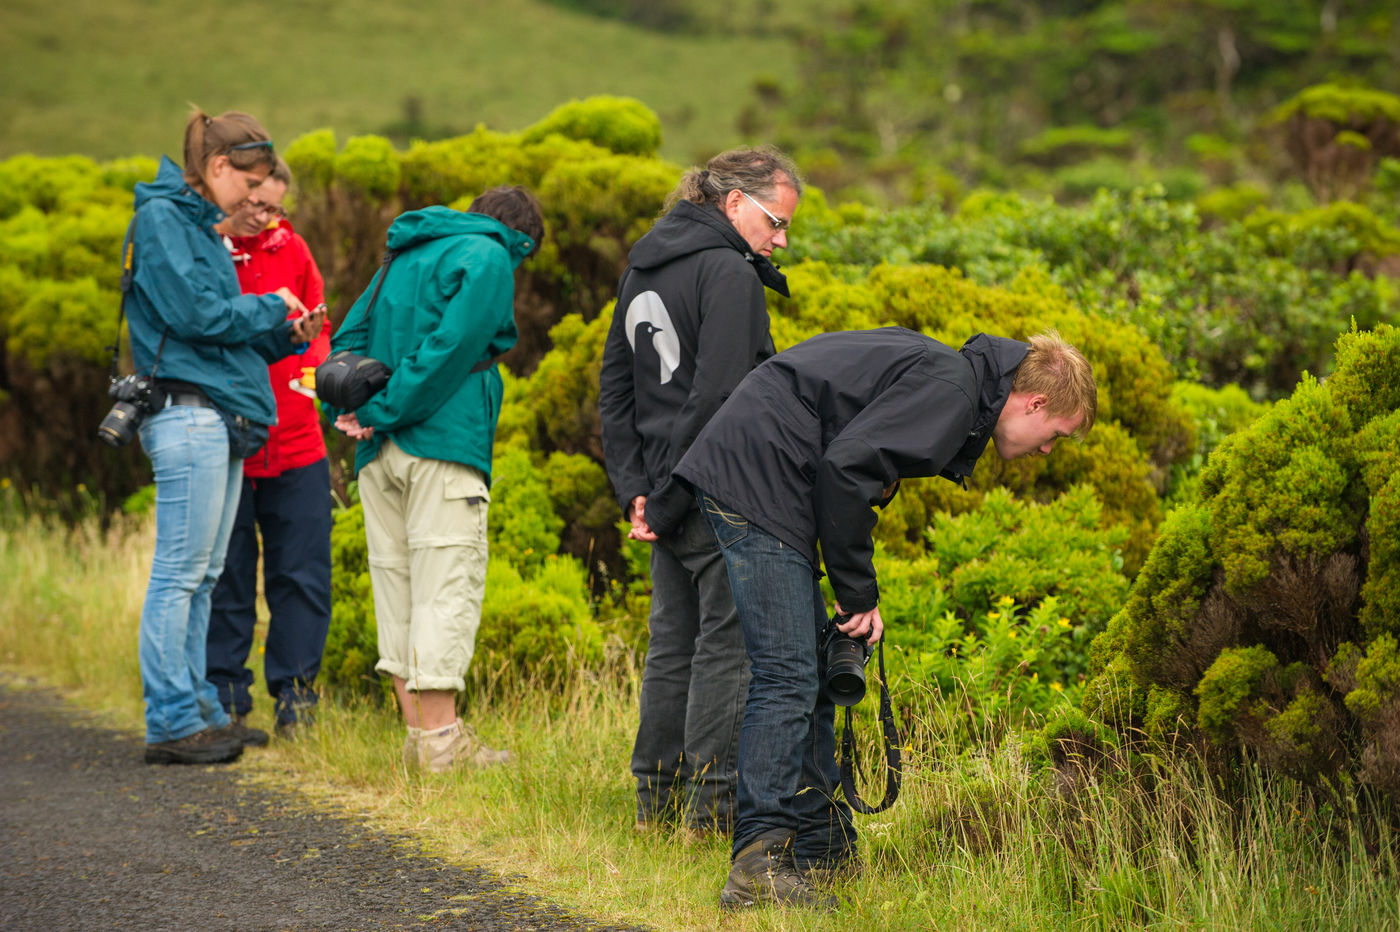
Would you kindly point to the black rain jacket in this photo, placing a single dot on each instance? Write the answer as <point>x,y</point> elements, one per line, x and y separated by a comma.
<point>690,322</point>
<point>807,444</point>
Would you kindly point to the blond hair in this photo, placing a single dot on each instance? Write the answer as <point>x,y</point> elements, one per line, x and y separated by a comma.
<point>1060,372</point>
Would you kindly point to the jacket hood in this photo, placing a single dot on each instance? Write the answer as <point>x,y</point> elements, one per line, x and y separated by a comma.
<point>436,222</point>
<point>690,228</point>
<point>170,184</point>
<point>994,361</point>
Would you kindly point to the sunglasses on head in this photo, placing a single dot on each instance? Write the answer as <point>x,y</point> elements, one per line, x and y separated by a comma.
<point>251,145</point>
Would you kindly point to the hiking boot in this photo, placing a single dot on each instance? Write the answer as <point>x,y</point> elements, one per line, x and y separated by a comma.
<point>247,737</point>
<point>210,746</point>
<point>455,745</point>
<point>764,872</point>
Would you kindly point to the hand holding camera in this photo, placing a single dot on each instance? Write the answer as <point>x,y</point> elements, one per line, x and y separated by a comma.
<point>842,657</point>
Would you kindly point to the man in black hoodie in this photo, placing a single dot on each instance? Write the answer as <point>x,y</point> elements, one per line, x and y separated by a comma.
<point>691,321</point>
<point>793,465</point>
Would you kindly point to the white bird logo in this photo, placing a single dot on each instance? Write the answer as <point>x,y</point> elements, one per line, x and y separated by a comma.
<point>647,308</point>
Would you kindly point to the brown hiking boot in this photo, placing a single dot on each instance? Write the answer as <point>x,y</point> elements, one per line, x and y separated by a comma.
<point>210,746</point>
<point>764,872</point>
<point>248,737</point>
<point>455,745</point>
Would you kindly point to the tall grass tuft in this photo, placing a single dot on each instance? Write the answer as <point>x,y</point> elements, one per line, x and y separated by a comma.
<point>979,840</point>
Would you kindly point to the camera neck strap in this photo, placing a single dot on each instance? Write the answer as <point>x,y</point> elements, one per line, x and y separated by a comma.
<point>850,761</point>
<point>389,256</point>
<point>128,272</point>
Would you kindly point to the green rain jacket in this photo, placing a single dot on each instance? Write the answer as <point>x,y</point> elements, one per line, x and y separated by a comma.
<point>447,304</point>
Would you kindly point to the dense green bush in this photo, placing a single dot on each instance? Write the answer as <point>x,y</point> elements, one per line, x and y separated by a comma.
<point>1264,616</point>
<point>619,124</point>
<point>1253,302</point>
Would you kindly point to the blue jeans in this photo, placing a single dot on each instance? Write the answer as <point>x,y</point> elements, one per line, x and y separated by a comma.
<point>197,487</point>
<point>293,511</point>
<point>788,770</point>
<point>693,686</point>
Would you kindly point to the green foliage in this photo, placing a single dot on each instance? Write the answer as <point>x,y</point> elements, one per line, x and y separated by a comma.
<point>352,645</point>
<point>1287,552</point>
<point>368,164</point>
<point>523,530</point>
<point>537,626</point>
<point>623,125</point>
<point>1004,602</point>
<point>311,158</point>
<point>1253,302</point>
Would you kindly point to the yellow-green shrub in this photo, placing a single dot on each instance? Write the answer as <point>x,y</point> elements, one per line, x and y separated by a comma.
<point>1258,611</point>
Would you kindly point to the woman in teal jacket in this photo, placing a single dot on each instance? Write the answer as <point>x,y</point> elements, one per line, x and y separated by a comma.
<point>445,311</point>
<point>207,347</point>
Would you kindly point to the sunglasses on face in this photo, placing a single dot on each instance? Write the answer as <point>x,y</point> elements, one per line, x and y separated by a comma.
<point>778,225</point>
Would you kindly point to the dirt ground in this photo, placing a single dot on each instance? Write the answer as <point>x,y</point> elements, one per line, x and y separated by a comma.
<point>95,839</point>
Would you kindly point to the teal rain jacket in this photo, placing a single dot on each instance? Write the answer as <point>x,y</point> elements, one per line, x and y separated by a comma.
<point>184,284</point>
<point>447,304</point>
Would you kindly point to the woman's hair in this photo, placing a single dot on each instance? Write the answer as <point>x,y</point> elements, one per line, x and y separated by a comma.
<point>208,137</point>
<point>1058,371</point>
<point>281,171</point>
<point>755,171</point>
<point>514,206</point>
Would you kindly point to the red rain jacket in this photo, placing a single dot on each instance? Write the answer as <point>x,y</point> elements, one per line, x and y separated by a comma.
<point>274,258</point>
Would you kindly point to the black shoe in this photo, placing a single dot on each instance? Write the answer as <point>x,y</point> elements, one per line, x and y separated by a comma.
<point>764,873</point>
<point>246,737</point>
<point>210,746</point>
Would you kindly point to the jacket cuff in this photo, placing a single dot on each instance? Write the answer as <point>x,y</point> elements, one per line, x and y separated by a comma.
<point>859,600</point>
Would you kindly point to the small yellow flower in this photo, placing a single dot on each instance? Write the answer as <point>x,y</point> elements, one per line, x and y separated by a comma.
<point>1035,677</point>
<point>1006,601</point>
<point>1011,634</point>
<point>4,483</point>
<point>82,487</point>
<point>993,616</point>
<point>1057,687</point>
<point>1064,622</point>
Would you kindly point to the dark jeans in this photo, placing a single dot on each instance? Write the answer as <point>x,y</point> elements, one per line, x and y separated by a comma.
<point>788,771</point>
<point>693,686</point>
<point>293,511</point>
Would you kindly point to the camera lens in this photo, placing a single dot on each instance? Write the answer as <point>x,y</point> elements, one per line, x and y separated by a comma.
<point>845,670</point>
<point>119,426</point>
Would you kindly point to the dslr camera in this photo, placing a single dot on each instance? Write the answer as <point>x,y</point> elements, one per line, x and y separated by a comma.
<point>841,665</point>
<point>133,402</point>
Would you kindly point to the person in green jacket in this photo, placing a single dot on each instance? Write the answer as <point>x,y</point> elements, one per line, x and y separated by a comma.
<point>445,310</point>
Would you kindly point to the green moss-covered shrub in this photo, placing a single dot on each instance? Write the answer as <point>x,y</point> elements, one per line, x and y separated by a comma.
<point>620,124</point>
<point>1257,617</point>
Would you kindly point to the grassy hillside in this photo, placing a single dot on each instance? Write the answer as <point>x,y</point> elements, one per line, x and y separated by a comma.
<point>111,78</point>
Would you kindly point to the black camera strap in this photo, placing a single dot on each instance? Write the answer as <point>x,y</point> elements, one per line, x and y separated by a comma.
<point>850,760</point>
<point>128,273</point>
<point>389,256</point>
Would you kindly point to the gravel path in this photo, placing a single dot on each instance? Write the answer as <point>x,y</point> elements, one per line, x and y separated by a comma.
<point>95,839</point>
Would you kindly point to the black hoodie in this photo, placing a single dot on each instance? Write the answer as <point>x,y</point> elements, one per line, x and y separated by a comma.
<point>807,444</point>
<point>690,322</point>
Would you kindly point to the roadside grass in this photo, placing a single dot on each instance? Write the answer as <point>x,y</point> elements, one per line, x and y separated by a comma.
<point>111,80</point>
<point>974,843</point>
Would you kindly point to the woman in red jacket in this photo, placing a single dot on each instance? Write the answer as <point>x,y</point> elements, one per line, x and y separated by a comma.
<point>286,494</point>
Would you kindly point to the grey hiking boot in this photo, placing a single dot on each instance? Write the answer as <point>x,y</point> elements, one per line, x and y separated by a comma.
<point>764,872</point>
<point>453,746</point>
